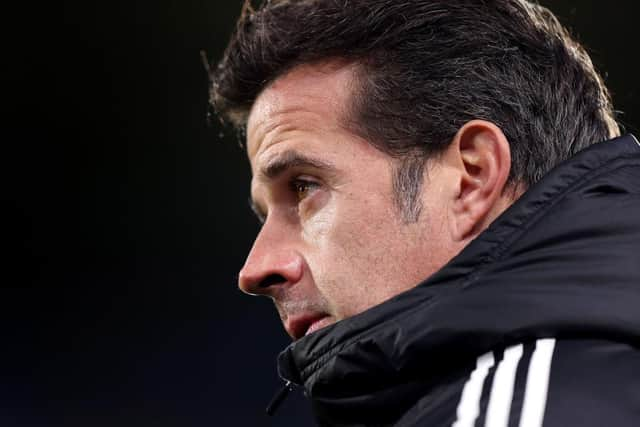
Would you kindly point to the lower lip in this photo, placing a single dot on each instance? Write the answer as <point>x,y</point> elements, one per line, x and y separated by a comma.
<point>318,324</point>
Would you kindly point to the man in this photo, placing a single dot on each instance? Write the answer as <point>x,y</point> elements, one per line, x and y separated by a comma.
<point>438,237</point>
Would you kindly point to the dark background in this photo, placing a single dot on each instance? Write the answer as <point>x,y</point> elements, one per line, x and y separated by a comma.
<point>128,217</point>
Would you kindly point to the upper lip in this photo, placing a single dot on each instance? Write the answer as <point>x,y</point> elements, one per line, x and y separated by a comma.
<point>298,325</point>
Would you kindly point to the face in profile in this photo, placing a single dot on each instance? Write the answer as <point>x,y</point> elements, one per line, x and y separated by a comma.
<point>333,242</point>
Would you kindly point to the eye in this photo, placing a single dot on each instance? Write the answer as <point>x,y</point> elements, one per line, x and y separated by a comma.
<point>301,188</point>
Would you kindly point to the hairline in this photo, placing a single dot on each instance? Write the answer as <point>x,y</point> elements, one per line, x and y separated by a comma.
<point>407,169</point>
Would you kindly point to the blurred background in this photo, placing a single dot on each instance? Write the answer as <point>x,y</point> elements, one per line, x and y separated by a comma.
<point>128,216</point>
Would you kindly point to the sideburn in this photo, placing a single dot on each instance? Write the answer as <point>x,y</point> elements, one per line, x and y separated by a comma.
<point>407,186</point>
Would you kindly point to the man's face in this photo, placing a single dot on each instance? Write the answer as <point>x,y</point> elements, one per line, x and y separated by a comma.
<point>333,242</point>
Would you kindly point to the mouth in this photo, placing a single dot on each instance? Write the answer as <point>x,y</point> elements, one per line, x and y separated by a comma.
<point>300,326</point>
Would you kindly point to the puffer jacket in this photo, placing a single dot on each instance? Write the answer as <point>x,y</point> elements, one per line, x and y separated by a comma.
<point>535,323</point>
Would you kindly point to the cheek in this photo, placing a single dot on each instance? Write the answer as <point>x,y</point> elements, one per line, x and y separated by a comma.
<point>346,225</point>
<point>350,253</point>
<point>317,228</point>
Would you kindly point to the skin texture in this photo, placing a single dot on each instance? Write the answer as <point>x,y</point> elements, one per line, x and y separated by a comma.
<point>333,242</point>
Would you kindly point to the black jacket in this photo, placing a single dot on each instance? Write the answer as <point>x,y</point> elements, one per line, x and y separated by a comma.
<point>536,322</point>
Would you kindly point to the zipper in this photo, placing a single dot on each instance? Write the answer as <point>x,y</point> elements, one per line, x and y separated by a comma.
<point>279,397</point>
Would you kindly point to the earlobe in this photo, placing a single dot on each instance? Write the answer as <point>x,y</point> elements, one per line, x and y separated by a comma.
<point>482,158</point>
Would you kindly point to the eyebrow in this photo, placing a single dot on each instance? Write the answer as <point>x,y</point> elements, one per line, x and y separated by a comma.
<point>291,159</point>
<point>279,165</point>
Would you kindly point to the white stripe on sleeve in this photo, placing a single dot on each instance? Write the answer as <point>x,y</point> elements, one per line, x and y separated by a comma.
<point>502,389</point>
<point>535,394</point>
<point>469,406</point>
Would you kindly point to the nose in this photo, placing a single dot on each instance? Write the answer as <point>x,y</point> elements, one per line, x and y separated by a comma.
<point>270,265</point>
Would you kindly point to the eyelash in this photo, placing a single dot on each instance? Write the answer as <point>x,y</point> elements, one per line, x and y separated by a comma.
<point>294,185</point>
<point>297,185</point>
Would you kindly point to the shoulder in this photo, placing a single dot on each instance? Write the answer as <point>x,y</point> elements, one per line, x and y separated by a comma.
<point>594,383</point>
<point>545,383</point>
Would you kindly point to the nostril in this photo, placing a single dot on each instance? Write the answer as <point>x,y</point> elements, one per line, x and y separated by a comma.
<point>272,279</point>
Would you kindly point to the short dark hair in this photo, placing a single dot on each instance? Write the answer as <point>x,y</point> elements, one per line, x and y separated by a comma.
<point>426,67</point>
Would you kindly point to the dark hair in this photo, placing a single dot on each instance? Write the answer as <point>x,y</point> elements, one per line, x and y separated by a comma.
<point>426,67</point>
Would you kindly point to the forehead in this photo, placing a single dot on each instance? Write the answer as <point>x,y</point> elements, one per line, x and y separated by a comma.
<point>306,95</point>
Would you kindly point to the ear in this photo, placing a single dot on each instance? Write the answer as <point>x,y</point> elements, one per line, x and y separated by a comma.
<point>482,159</point>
